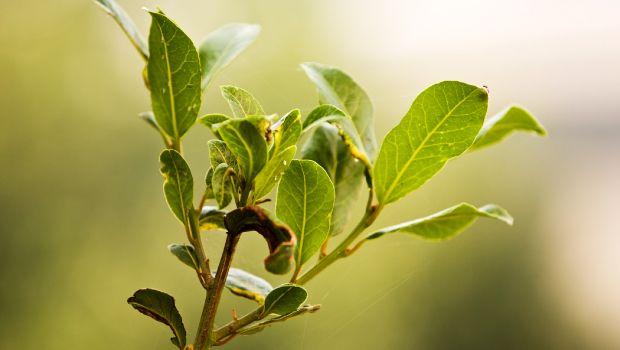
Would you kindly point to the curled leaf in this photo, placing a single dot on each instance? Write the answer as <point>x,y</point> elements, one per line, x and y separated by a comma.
<point>246,285</point>
<point>160,307</point>
<point>280,239</point>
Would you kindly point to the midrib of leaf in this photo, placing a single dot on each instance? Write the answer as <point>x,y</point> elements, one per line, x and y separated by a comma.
<point>423,144</point>
<point>280,297</point>
<point>169,74</point>
<point>438,218</point>
<point>303,225</point>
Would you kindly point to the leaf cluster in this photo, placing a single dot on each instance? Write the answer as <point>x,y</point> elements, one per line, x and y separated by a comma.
<point>318,165</point>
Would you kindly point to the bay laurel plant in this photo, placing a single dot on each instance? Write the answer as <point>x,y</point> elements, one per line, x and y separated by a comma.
<point>317,165</point>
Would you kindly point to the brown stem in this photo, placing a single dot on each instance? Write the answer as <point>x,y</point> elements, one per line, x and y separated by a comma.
<point>207,319</point>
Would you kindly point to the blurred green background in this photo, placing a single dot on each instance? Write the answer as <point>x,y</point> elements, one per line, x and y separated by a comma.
<point>84,223</point>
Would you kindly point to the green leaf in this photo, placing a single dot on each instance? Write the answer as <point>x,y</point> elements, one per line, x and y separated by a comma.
<point>323,114</point>
<point>210,120</point>
<point>448,222</point>
<point>325,148</point>
<point>280,239</point>
<point>221,46</point>
<point>262,124</point>
<point>269,177</point>
<point>127,25</point>
<point>186,254</point>
<point>246,285</point>
<point>287,132</point>
<point>219,153</point>
<point>305,202</point>
<point>442,123</point>
<point>337,88</point>
<point>346,129</point>
<point>222,184</point>
<point>247,144</point>
<point>174,76</point>
<point>504,123</point>
<point>209,184</point>
<point>211,218</point>
<point>285,299</point>
<point>161,307</point>
<point>241,102</point>
<point>178,183</point>
<point>322,148</point>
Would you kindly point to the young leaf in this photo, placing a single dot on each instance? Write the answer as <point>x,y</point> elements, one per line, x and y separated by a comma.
<point>221,46</point>
<point>285,299</point>
<point>219,153</point>
<point>338,89</point>
<point>178,183</point>
<point>246,285</point>
<point>124,21</point>
<point>161,307</point>
<point>287,132</point>
<point>448,222</point>
<point>186,254</point>
<point>346,129</point>
<point>442,123</point>
<point>211,218</point>
<point>174,76</point>
<point>280,239</point>
<point>504,123</point>
<point>241,102</point>
<point>305,202</point>
<point>222,184</point>
<point>269,177</point>
<point>209,184</point>
<point>210,120</point>
<point>247,144</point>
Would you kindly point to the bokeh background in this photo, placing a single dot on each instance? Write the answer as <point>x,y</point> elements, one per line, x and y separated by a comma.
<point>83,221</point>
